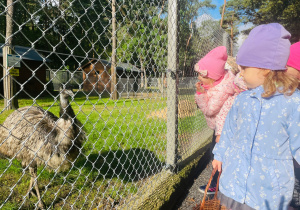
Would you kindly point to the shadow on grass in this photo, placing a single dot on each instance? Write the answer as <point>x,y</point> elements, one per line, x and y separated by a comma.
<point>128,165</point>
<point>113,174</point>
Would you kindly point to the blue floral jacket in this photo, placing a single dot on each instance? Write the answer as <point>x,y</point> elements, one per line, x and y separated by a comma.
<point>257,145</point>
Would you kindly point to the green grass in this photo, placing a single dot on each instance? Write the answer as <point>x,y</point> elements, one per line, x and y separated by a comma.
<point>188,124</point>
<point>123,148</point>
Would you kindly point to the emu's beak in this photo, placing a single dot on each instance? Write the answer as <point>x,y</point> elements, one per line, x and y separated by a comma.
<point>70,92</point>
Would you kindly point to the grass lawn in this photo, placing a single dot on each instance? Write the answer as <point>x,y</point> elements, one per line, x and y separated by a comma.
<point>123,147</point>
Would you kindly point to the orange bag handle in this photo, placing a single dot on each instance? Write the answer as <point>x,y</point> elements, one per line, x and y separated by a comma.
<point>207,186</point>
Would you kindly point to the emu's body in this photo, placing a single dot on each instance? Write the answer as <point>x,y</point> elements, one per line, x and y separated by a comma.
<point>37,137</point>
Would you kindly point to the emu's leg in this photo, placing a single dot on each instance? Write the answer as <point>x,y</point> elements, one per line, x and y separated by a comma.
<point>31,183</point>
<point>33,172</point>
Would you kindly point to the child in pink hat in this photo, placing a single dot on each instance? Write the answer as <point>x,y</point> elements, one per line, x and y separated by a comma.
<point>239,86</point>
<point>215,84</point>
<point>293,69</point>
<point>293,64</point>
<point>213,89</point>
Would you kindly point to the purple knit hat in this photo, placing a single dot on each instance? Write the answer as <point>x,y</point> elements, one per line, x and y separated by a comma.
<point>267,46</point>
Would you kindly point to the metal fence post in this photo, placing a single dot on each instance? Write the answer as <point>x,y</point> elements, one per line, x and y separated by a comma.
<point>114,93</point>
<point>172,123</point>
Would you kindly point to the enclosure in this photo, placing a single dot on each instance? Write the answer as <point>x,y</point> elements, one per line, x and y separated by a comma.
<point>138,115</point>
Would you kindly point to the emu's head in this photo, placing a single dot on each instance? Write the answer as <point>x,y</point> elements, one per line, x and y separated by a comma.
<point>65,93</point>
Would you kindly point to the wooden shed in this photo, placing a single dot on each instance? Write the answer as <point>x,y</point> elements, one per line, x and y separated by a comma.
<point>97,79</point>
<point>32,73</point>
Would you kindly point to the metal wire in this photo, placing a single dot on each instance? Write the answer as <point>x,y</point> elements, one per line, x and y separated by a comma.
<point>87,150</point>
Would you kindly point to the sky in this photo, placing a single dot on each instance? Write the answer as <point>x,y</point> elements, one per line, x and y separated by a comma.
<point>215,13</point>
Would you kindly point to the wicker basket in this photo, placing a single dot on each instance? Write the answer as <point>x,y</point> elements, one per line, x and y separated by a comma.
<point>211,204</point>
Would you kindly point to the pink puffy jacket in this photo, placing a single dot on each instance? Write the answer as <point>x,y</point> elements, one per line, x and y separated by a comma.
<point>220,118</point>
<point>240,86</point>
<point>211,102</point>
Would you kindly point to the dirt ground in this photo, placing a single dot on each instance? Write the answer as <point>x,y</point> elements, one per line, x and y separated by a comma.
<point>186,108</point>
<point>193,196</point>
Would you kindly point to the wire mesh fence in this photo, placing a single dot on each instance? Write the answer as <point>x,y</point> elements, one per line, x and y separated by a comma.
<point>131,114</point>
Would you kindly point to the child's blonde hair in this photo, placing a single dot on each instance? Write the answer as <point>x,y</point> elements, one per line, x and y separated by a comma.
<point>231,63</point>
<point>279,81</point>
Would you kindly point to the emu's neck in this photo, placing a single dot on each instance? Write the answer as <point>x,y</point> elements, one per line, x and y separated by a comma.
<point>66,112</point>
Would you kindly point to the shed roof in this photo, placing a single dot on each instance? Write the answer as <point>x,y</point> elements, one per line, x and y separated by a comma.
<point>26,53</point>
<point>120,66</point>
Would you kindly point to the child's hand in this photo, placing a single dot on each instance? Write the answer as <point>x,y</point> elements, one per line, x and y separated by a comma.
<point>199,87</point>
<point>217,164</point>
<point>218,138</point>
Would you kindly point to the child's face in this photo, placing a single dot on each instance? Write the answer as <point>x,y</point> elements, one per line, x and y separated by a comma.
<point>253,77</point>
<point>205,80</point>
<point>293,72</point>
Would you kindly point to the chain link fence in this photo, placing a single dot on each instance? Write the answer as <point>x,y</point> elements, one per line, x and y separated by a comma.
<point>131,114</point>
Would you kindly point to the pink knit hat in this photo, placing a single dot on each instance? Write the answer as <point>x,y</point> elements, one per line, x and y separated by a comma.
<point>214,63</point>
<point>294,59</point>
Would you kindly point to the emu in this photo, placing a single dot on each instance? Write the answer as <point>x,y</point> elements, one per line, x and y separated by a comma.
<point>37,137</point>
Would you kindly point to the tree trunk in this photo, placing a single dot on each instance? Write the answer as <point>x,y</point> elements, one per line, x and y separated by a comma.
<point>186,48</point>
<point>142,79</point>
<point>146,82</point>
<point>145,85</point>
<point>113,54</point>
<point>162,8</point>
<point>221,23</point>
<point>9,86</point>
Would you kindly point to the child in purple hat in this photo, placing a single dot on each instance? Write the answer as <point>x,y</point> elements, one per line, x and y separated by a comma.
<point>261,134</point>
